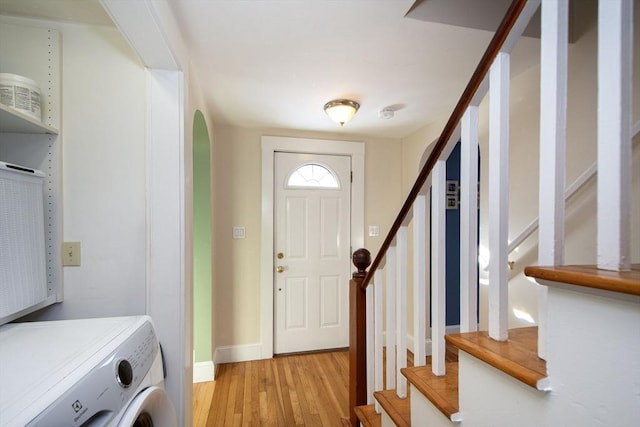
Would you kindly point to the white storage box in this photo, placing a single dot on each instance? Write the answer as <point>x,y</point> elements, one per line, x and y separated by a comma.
<point>21,93</point>
<point>23,280</point>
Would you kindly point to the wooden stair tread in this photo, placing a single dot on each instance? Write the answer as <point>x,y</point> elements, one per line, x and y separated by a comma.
<point>368,416</point>
<point>399,410</point>
<point>442,391</point>
<point>590,276</point>
<point>517,357</point>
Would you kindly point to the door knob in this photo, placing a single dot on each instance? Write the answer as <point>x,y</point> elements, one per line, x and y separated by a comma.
<point>279,269</point>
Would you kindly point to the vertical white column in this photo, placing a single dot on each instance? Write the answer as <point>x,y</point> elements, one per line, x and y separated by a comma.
<point>498,196</point>
<point>469,221</point>
<point>615,36</point>
<point>168,291</point>
<point>553,134</point>
<point>401,311</point>
<point>378,299</point>
<point>419,280</point>
<point>372,318</point>
<point>438,267</point>
<point>391,317</point>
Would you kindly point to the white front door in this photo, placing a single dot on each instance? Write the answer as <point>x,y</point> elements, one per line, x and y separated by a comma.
<point>312,251</point>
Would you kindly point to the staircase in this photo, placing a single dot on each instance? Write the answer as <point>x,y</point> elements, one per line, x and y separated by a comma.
<point>580,365</point>
<point>506,383</point>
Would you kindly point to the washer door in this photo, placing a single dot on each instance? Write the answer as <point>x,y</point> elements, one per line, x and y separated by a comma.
<point>150,408</point>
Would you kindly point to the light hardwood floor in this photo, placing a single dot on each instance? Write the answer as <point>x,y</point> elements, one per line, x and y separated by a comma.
<point>296,390</point>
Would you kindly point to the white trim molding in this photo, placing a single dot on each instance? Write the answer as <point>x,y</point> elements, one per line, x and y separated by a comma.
<point>203,371</point>
<point>271,145</point>
<point>238,353</point>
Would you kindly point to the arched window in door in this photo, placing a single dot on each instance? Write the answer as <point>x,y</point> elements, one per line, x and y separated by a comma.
<point>313,175</point>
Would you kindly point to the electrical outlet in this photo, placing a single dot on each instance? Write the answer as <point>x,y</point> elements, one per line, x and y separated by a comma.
<point>71,254</point>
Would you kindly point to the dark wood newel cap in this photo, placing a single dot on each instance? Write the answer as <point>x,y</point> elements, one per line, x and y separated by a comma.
<point>361,259</point>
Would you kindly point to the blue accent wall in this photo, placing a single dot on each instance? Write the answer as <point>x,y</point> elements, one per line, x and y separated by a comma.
<point>453,245</point>
<point>452,294</point>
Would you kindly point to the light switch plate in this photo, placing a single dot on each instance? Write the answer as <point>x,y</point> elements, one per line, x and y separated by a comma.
<point>71,254</point>
<point>374,231</point>
<point>239,233</point>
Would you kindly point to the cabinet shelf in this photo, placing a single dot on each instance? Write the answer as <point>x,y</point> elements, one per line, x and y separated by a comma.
<point>12,121</point>
<point>35,51</point>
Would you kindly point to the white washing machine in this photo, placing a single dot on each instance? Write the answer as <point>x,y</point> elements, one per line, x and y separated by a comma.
<point>105,372</point>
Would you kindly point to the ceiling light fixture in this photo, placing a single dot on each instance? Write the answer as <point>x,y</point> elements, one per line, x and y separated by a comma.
<point>341,110</point>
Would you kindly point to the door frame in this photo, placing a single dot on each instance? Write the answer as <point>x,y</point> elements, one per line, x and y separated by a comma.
<point>271,145</point>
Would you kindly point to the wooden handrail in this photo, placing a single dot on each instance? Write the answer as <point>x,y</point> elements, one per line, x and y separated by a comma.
<point>477,78</point>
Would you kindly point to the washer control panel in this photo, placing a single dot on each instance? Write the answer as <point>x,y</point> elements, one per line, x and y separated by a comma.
<point>107,387</point>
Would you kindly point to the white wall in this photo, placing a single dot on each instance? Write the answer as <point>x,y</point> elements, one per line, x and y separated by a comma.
<point>236,170</point>
<point>173,98</point>
<point>169,247</point>
<point>104,182</point>
<point>107,201</point>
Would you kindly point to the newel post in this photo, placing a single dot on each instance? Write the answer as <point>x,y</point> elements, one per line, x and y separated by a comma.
<point>357,335</point>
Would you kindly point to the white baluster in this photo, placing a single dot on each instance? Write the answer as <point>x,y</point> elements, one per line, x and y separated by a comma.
<point>553,133</point>
<point>401,312</point>
<point>378,300</point>
<point>498,196</point>
<point>615,38</point>
<point>438,267</point>
<point>370,333</point>
<point>391,318</point>
<point>419,280</point>
<point>469,221</point>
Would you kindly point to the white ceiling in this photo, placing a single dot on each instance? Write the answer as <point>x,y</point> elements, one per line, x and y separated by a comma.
<point>275,63</point>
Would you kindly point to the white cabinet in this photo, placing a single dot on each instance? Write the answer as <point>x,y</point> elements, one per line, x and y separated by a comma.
<point>34,51</point>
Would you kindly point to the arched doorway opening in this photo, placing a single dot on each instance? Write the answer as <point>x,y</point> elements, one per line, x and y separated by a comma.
<point>202,273</point>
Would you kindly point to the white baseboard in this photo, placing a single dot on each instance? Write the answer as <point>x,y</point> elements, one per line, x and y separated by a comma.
<point>247,352</point>
<point>203,371</point>
<point>238,353</point>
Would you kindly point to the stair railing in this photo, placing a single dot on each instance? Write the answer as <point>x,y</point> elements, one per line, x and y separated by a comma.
<point>492,76</point>
<point>493,67</point>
